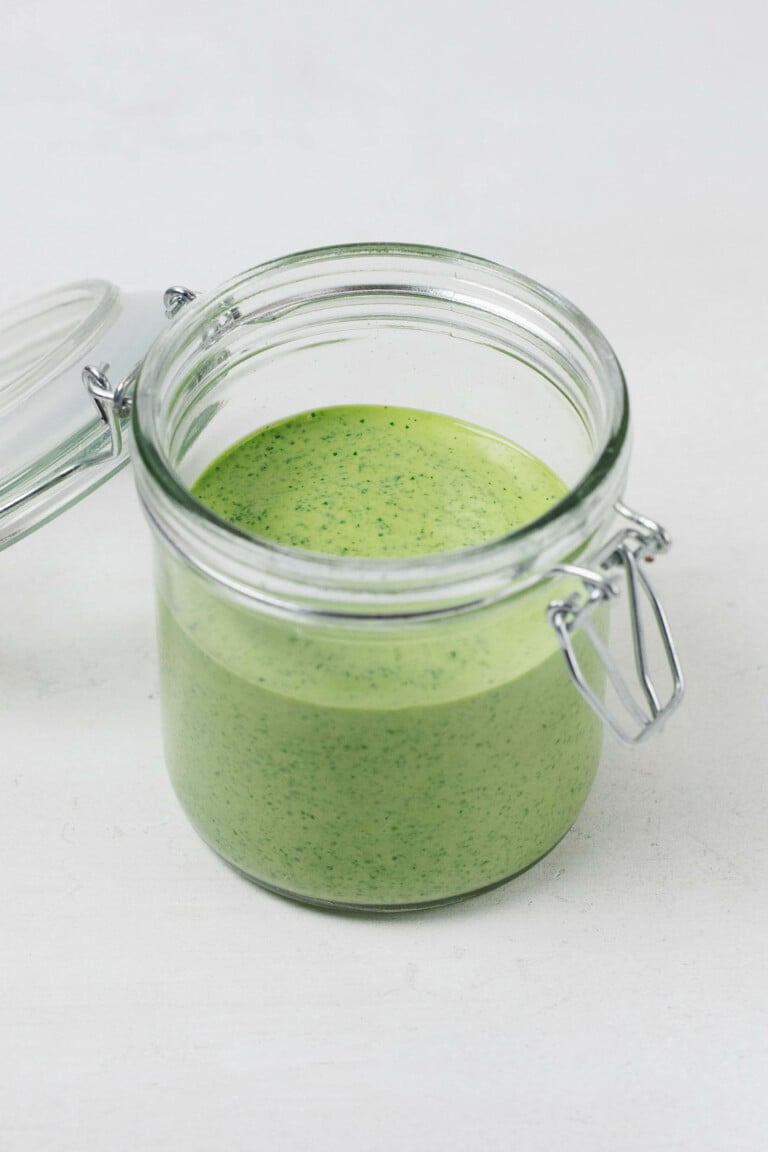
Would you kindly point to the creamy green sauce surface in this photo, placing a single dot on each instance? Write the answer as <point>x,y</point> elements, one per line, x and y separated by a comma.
<point>354,763</point>
<point>376,481</point>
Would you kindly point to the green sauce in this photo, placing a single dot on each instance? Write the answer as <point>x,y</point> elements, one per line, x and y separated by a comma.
<point>355,763</point>
<point>377,482</point>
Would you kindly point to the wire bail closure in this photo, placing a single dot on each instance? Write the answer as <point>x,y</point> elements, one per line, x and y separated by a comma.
<point>642,540</point>
<point>113,402</point>
<point>114,406</point>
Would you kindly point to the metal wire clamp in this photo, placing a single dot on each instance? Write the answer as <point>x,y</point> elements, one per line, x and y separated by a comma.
<point>642,540</point>
<point>113,402</point>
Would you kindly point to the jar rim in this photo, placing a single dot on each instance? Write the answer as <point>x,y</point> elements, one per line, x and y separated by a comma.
<point>521,555</point>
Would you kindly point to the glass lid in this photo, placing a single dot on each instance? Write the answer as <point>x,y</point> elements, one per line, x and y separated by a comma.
<point>63,356</point>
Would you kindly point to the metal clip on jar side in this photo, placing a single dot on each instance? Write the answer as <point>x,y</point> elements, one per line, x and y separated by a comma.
<point>642,540</point>
<point>114,402</point>
<point>114,405</point>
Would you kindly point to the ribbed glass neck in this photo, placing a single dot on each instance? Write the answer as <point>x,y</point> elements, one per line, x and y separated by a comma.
<point>379,323</point>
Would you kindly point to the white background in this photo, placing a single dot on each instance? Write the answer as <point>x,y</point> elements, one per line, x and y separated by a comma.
<point>614,998</point>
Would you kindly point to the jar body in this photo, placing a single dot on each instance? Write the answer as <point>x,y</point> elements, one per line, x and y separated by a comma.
<point>377,734</point>
<point>371,764</point>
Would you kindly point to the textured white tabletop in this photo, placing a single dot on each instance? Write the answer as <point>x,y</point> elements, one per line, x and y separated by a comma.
<point>616,996</point>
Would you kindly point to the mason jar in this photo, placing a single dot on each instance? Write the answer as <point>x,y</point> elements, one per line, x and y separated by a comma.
<point>390,733</point>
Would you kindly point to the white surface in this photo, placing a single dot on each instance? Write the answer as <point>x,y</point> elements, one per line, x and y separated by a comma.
<point>616,997</point>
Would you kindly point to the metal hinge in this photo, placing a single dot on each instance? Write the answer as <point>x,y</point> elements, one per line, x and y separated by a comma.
<point>642,540</point>
<point>113,403</point>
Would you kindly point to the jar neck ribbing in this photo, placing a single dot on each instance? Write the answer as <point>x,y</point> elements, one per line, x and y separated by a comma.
<point>473,338</point>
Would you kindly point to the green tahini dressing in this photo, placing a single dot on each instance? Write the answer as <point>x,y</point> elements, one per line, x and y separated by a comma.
<point>361,764</point>
<point>370,481</point>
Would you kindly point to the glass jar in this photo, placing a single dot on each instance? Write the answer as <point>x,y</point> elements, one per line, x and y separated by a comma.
<point>385,733</point>
<point>363,734</point>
